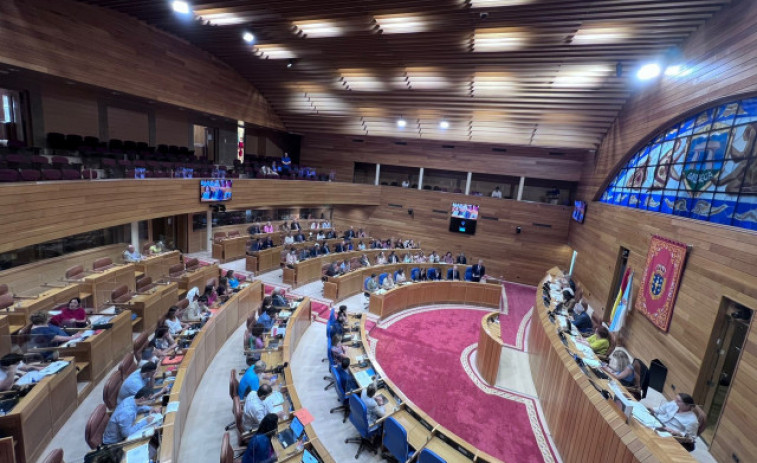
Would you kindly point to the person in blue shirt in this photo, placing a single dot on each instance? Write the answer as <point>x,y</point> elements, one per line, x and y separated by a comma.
<point>46,336</point>
<point>344,376</point>
<point>266,319</point>
<point>250,381</point>
<point>139,379</point>
<point>260,449</point>
<point>286,163</point>
<point>232,280</point>
<point>278,299</point>
<point>581,319</point>
<point>121,424</point>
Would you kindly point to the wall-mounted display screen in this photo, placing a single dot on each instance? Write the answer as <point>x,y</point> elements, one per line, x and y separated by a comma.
<point>213,190</point>
<point>463,218</point>
<point>578,211</point>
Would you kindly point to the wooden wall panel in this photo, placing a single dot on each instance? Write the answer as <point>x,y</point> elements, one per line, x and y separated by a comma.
<point>124,124</point>
<point>721,56</point>
<point>69,113</point>
<point>517,257</point>
<point>35,213</point>
<point>107,49</point>
<point>171,129</point>
<point>339,153</point>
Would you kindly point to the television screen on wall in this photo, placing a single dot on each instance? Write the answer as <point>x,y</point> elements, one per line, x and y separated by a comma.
<point>463,218</point>
<point>578,211</point>
<point>215,190</point>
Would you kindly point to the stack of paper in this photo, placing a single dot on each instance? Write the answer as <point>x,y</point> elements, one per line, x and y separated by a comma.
<point>643,416</point>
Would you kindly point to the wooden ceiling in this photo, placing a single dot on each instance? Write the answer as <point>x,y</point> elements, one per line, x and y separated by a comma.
<point>524,72</point>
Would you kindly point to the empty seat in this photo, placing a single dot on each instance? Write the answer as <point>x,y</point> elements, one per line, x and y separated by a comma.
<point>75,273</point>
<point>52,174</point>
<point>140,343</point>
<point>89,174</point>
<point>56,456</point>
<point>95,427</point>
<point>9,175</point>
<point>145,284</point>
<point>120,295</point>
<point>110,391</point>
<point>39,161</point>
<point>56,141</point>
<point>59,161</point>
<point>70,174</point>
<point>192,264</point>
<point>102,263</point>
<point>115,145</point>
<point>176,270</point>
<point>127,365</point>
<point>3,289</point>
<point>30,175</point>
<point>6,300</point>
<point>17,161</point>
<point>74,142</point>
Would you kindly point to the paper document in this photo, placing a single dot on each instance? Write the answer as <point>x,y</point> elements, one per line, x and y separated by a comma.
<point>363,379</point>
<point>284,314</point>
<point>592,363</point>
<point>54,367</point>
<point>172,407</point>
<point>140,454</point>
<point>585,351</point>
<point>643,416</point>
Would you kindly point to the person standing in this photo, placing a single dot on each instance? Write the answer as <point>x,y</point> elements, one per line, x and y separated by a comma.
<point>478,271</point>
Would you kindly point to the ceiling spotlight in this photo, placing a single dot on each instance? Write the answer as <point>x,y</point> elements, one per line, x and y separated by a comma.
<point>673,70</point>
<point>401,123</point>
<point>248,37</point>
<point>649,71</point>
<point>290,63</point>
<point>181,7</point>
<point>444,125</point>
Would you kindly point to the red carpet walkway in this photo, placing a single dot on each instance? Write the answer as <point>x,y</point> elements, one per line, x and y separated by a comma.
<point>425,354</point>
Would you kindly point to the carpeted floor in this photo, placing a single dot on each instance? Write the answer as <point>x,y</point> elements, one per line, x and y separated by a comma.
<point>424,355</point>
<point>520,300</point>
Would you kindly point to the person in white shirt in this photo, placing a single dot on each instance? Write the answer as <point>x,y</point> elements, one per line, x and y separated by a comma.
<point>405,184</point>
<point>677,416</point>
<point>374,403</point>
<point>131,255</point>
<point>256,407</point>
<point>326,224</point>
<point>291,258</point>
<point>497,193</point>
<point>289,239</point>
<point>320,236</point>
<point>433,258</point>
<point>381,259</point>
<point>175,326</point>
<point>388,282</point>
<point>400,277</point>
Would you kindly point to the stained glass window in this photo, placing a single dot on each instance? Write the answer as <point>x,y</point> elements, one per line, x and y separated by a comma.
<point>703,167</point>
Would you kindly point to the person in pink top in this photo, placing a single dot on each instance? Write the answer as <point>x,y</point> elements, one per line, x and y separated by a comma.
<point>268,228</point>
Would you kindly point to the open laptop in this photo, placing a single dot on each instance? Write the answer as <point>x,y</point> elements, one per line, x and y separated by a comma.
<point>290,435</point>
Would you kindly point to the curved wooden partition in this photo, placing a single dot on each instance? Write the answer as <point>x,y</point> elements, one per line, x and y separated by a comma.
<point>311,270</point>
<point>489,348</point>
<point>198,356</point>
<point>443,441</point>
<point>584,426</point>
<point>434,292</point>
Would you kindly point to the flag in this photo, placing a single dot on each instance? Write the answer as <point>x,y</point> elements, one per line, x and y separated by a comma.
<point>622,289</point>
<point>619,316</point>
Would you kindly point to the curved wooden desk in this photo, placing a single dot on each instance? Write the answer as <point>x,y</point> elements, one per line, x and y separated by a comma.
<point>420,426</point>
<point>584,426</point>
<point>311,270</point>
<point>489,348</point>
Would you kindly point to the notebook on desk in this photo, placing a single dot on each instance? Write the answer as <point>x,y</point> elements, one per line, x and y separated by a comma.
<point>288,436</point>
<point>364,377</point>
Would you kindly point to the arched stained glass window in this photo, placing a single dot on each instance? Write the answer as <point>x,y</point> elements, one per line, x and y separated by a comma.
<point>703,167</point>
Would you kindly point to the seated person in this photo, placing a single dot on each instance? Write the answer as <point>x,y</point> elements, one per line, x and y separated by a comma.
<point>148,355</point>
<point>337,349</point>
<point>289,239</point>
<point>374,404</point>
<point>299,237</point>
<point>266,319</point>
<point>156,248</point>
<point>138,379</point>
<point>581,319</point>
<point>448,259</point>
<point>45,336</point>
<point>291,258</point>
<point>260,449</point>
<point>461,259</point>
<point>131,255</point>
<point>361,246</point>
<point>223,290</point>
<point>400,277</point>
<point>455,273</point>
<point>620,367</point>
<point>304,254</point>
<point>381,259</point>
<point>254,229</point>
<point>232,280</point>
<point>163,342</point>
<point>364,262</point>
<point>267,242</point>
<point>392,259</point>
<point>344,376</point>
<point>256,246</point>
<point>372,284</point>
<point>333,270</point>
<point>122,422</point>
<point>320,236</point>
<point>599,341</point>
<point>388,282</point>
<point>433,257</point>
<point>195,311</point>
<point>209,297</point>
<point>268,228</point>
<point>278,299</point>
<point>175,326</point>
<point>71,315</point>
<point>345,266</point>
<point>12,365</point>
<point>255,340</point>
<point>339,247</point>
<point>677,416</point>
<point>253,378</point>
<point>257,406</point>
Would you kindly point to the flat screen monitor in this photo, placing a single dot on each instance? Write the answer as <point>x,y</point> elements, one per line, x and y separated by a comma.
<point>215,190</point>
<point>139,172</point>
<point>579,210</point>
<point>183,172</point>
<point>463,218</point>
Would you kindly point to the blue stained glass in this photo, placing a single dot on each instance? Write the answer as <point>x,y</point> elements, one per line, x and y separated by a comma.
<point>722,209</point>
<point>675,177</point>
<point>652,202</point>
<point>671,133</point>
<point>634,200</point>
<point>655,151</point>
<point>730,178</point>
<point>687,127</point>
<point>701,206</point>
<point>745,215</point>
<point>747,111</point>
<point>703,121</point>
<point>622,198</point>
<point>742,141</point>
<point>725,115</point>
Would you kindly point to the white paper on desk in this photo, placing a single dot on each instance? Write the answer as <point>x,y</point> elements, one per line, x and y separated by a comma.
<point>109,311</point>
<point>585,351</point>
<point>359,358</point>
<point>139,454</point>
<point>362,378</point>
<point>278,330</point>
<point>100,319</point>
<point>172,407</point>
<point>284,314</point>
<point>54,367</point>
<point>642,415</point>
<point>592,363</point>
<point>30,377</point>
<point>142,433</point>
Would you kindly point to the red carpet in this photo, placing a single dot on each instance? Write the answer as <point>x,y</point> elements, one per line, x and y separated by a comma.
<point>520,300</point>
<point>421,354</point>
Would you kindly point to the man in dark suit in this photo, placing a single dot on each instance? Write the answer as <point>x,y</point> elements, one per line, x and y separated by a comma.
<point>253,230</point>
<point>255,246</point>
<point>461,258</point>
<point>455,275</point>
<point>339,247</point>
<point>478,271</point>
<point>299,237</point>
<point>349,234</point>
<point>268,243</point>
<point>325,249</point>
<point>393,259</point>
<point>296,225</point>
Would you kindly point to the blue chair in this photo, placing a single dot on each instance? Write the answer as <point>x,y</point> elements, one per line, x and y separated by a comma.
<point>449,274</point>
<point>332,316</point>
<point>341,395</point>
<point>365,283</point>
<point>359,419</point>
<point>395,275</point>
<point>469,274</point>
<point>329,355</point>
<point>431,274</point>
<point>381,278</point>
<point>428,456</point>
<point>415,274</point>
<point>395,440</point>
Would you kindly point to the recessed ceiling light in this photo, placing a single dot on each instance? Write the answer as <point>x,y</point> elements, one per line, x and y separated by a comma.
<point>401,23</point>
<point>181,7</point>
<point>318,28</point>
<point>648,71</point>
<point>425,78</point>
<point>219,19</point>
<point>497,3</point>
<point>361,80</point>
<point>401,123</point>
<point>493,84</point>
<point>248,37</point>
<point>601,33</point>
<point>581,76</point>
<point>498,39</point>
<point>290,64</point>
<point>273,51</point>
<point>443,125</point>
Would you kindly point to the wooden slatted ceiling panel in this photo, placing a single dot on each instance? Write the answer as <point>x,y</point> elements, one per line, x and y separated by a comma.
<point>435,73</point>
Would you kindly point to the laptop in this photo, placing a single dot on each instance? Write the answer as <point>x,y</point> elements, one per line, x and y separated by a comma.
<point>290,435</point>
<point>308,457</point>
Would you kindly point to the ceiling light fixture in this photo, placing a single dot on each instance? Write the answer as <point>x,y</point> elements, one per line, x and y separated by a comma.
<point>290,64</point>
<point>181,7</point>
<point>497,3</point>
<point>401,123</point>
<point>248,37</point>
<point>444,125</point>
<point>273,51</point>
<point>498,39</point>
<point>318,28</point>
<point>401,23</point>
<point>648,71</point>
<point>219,19</point>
